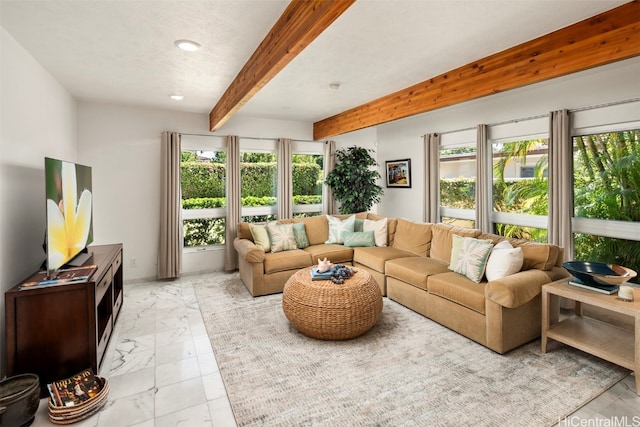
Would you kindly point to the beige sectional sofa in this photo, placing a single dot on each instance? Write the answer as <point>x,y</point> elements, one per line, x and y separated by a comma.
<point>414,270</point>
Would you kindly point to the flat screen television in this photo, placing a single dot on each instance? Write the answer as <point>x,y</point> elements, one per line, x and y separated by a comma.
<point>69,213</point>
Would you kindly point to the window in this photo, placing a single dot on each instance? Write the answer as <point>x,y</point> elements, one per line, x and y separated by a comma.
<point>258,180</point>
<point>203,189</point>
<point>458,159</point>
<point>307,176</point>
<point>520,204</point>
<point>606,197</point>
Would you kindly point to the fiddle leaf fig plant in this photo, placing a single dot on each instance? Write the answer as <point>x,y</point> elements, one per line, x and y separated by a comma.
<point>352,180</point>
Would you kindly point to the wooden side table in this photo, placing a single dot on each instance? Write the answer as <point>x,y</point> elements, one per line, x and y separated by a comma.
<point>607,341</point>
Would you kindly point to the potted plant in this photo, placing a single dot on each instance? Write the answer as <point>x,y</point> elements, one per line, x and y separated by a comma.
<point>352,180</point>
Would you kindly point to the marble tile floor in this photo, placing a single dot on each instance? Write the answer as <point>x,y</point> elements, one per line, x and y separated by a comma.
<point>162,370</point>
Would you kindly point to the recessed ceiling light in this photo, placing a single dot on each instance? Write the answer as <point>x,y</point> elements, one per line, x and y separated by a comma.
<point>188,45</point>
<point>334,86</point>
<point>176,97</point>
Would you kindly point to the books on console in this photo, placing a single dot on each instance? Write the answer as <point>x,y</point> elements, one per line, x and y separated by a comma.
<point>60,277</point>
<point>603,289</point>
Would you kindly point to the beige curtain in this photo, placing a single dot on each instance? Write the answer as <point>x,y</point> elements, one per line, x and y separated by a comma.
<point>328,203</point>
<point>233,202</point>
<point>431,207</point>
<point>560,182</point>
<point>285,191</point>
<point>170,249</point>
<point>483,181</point>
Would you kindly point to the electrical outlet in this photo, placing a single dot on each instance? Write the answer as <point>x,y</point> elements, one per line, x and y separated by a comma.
<point>133,262</point>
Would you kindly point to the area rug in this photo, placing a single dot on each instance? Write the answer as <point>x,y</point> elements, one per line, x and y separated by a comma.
<point>406,371</point>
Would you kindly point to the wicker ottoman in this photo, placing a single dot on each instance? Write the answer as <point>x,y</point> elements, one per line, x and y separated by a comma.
<point>323,310</point>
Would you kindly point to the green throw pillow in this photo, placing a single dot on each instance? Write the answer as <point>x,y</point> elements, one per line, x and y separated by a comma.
<point>281,237</point>
<point>337,227</point>
<point>359,238</point>
<point>358,225</point>
<point>300,233</point>
<point>472,259</point>
<point>260,236</point>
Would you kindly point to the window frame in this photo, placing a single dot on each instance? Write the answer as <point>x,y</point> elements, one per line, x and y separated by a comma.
<point>459,139</point>
<point>190,143</point>
<point>308,148</point>
<point>521,130</point>
<point>623,117</point>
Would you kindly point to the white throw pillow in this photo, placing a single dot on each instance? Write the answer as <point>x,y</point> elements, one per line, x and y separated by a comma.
<point>379,229</point>
<point>504,261</point>
<point>337,226</point>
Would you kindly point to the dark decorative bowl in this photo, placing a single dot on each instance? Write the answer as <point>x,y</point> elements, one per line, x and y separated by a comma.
<point>599,273</point>
<point>19,400</point>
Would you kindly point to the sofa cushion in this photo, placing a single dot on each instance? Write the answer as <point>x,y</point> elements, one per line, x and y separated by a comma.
<point>335,253</point>
<point>472,259</point>
<point>300,233</point>
<point>281,237</point>
<point>317,229</point>
<point>541,256</point>
<point>413,237</point>
<point>359,238</point>
<point>457,288</point>
<point>504,261</point>
<point>375,257</point>
<point>442,240</point>
<point>414,270</point>
<point>260,236</point>
<point>337,226</point>
<point>290,260</point>
<point>379,228</point>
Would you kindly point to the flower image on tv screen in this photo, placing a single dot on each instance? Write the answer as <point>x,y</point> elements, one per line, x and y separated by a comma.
<point>69,211</point>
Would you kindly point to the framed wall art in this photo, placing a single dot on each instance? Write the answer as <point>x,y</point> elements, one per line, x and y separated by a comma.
<point>398,173</point>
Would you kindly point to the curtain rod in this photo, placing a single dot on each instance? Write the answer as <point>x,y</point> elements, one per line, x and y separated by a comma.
<point>255,138</point>
<point>591,107</point>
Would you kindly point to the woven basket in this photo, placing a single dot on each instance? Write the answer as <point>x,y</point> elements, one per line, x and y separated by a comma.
<point>72,414</point>
<point>324,310</point>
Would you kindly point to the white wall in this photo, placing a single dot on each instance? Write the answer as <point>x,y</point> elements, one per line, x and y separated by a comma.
<point>122,144</point>
<point>37,120</point>
<point>403,138</point>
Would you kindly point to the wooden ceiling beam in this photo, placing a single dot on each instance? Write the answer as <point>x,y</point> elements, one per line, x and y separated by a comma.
<point>301,22</point>
<point>608,37</point>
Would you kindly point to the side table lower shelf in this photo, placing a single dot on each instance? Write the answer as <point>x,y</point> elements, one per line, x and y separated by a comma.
<point>607,341</point>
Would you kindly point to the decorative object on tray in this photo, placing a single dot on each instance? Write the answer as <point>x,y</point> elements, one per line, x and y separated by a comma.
<point>324,265</point>
<point>77,397</point>
<point>19,399</point>
<point>599,274</point>
<point>341,273</point>
<point>625,293</point>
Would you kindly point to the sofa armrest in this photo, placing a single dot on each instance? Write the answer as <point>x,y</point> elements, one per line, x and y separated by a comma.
<point>517,289</point>
<point>248,250</point>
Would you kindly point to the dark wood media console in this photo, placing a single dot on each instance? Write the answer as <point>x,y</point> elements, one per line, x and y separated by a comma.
<point>57,331</point>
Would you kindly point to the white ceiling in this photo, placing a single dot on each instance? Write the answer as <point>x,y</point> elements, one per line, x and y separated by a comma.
<point>122,51</point>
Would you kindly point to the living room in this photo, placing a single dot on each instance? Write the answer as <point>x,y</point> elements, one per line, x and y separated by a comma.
<point>40,117</point>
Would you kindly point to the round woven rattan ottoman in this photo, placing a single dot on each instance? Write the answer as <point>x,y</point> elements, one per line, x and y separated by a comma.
<point>324,310</point>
